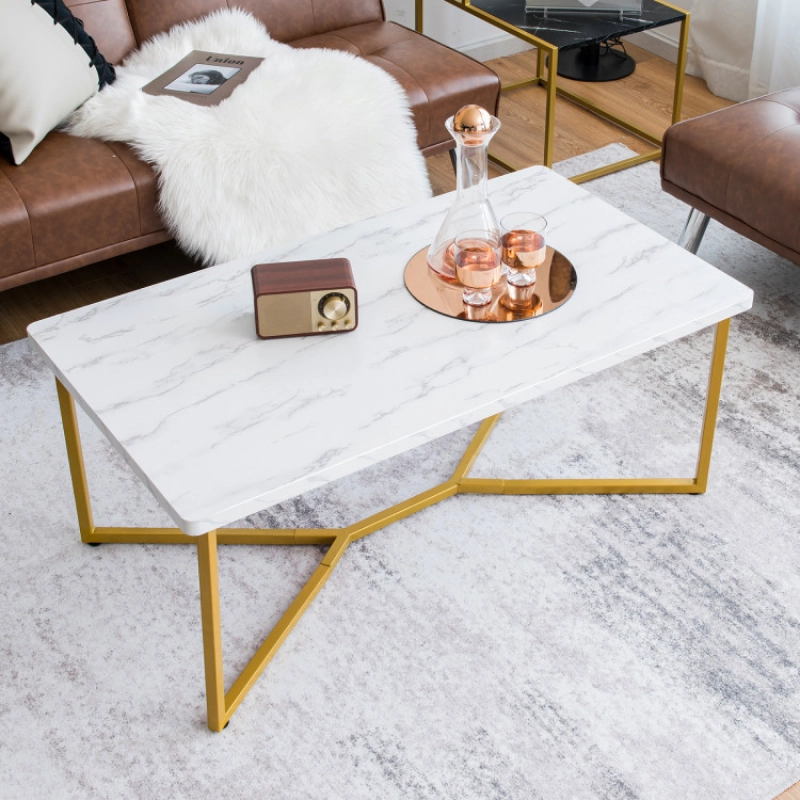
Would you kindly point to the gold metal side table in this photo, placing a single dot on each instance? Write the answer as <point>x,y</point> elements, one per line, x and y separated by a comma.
<point>548,35</point>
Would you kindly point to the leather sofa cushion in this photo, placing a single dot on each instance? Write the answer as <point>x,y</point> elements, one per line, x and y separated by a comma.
<point>80,194</point>
<point>742,164</point>
<point>17,253</point>
<point>285,19</point>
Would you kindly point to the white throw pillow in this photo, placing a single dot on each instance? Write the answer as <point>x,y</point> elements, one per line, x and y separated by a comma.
<point>44,75</point>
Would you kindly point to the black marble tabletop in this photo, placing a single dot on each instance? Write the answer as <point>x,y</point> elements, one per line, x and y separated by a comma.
<point>567,30</point>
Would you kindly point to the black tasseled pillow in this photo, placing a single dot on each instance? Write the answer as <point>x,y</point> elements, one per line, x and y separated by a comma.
<point>50,66</point>
<point>74,27</point>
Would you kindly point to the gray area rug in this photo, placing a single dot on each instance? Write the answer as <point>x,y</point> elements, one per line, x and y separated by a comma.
<point>488,647</point>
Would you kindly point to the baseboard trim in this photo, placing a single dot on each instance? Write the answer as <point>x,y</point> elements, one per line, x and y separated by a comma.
<point>497,47</point>
<point>656,42</point>
<point>665,46</point>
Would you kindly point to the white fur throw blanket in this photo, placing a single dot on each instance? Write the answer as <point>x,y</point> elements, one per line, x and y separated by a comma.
<point>312,140</point>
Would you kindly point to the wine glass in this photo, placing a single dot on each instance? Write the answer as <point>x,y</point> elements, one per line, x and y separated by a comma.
<point>478,264</point>
<point>524,246</point>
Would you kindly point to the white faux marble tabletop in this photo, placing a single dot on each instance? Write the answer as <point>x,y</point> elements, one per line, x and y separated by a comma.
<point>220,424</point>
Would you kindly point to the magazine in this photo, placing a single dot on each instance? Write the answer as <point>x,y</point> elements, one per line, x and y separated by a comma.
<point>203,78</point>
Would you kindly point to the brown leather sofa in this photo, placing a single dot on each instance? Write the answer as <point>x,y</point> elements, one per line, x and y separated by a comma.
<point>741,167</point>
<point>76,201</point>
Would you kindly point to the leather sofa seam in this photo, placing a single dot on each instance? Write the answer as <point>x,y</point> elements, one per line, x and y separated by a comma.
<point>27,213</point>
<point>135,187</point>
<point>335,35</point>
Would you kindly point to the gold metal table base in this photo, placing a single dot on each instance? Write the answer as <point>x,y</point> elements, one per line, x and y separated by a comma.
<point>547,58</point>
<point>222,704</point>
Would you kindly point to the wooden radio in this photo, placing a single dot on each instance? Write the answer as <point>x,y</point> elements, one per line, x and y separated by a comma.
<point>299,298</point>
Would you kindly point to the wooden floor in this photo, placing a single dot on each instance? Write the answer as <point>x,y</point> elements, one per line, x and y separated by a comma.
<point>645,98</point>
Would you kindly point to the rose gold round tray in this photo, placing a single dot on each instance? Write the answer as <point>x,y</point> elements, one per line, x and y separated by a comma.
<point>555,284</point>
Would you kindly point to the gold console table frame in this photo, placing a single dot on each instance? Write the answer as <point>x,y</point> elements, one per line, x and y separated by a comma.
<point>221,704</point>
<point>547,76</point>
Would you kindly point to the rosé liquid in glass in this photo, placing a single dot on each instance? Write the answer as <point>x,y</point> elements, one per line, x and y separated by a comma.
<point>524,246</point>
<point>523,249</point>
<point>478,265</point>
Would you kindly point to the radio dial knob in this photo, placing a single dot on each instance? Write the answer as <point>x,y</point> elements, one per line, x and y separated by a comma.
<point>334,306</point>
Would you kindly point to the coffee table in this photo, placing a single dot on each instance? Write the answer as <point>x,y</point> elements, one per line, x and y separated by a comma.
<point>220,424</point>
<point>560,33</point>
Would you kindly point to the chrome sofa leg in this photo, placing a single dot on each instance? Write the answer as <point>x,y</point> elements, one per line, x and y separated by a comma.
<point>693,230</point>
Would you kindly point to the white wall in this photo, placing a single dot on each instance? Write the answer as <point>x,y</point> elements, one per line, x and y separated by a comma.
<point>456,28</point>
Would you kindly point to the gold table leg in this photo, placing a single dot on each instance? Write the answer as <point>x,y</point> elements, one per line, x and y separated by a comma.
<point>221,704</point>
<point>207,564</point>
<point>550,113</point>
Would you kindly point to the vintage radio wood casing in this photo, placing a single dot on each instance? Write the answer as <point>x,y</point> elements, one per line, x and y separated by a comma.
<point>299,298</point>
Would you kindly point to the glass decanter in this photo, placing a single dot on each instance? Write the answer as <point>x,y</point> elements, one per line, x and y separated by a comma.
<point>472,127</point>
